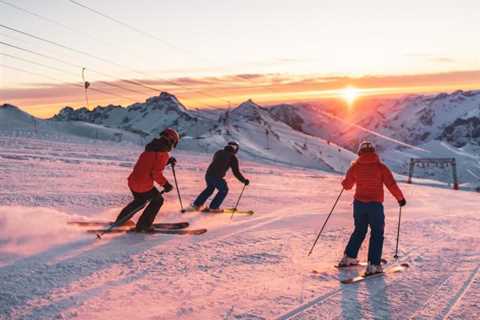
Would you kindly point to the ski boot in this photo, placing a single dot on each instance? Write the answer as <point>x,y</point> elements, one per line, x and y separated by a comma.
<point>373,269</point>
<point>192,208</point>
<point>347,261</point>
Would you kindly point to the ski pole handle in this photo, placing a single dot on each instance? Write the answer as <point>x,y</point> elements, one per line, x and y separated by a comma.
<point>325,223</point>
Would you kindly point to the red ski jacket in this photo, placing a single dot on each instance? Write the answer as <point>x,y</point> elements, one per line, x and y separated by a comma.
<point>370,175</point>
<point>149,167</point>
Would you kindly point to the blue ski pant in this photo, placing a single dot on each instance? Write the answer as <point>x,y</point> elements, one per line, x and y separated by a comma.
<point>213,183</point>
<point>367,214</point>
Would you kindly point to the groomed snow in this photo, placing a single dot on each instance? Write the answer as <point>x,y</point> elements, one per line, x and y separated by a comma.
<point>242,268</point>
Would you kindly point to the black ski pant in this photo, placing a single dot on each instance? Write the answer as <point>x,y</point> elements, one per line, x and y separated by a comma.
<point>140,199</point>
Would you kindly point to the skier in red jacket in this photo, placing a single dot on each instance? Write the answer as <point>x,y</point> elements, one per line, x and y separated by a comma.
<point>147,170</point>
<point>369,174</point>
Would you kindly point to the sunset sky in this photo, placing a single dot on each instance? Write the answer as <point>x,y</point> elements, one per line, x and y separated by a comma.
<point>217,52</point>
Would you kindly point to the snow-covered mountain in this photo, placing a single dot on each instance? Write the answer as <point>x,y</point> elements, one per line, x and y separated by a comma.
<point>421,119</point>
<point>15,122</point>
<point>310,119</point>
<point>442,125</point>
<point>261,136</point>
<point>147,118</point>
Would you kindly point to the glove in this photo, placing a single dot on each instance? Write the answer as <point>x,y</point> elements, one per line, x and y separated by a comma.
<point>167,187</point>
<point>172,161</point>
<point>402,202</point>
<point>246,182</point>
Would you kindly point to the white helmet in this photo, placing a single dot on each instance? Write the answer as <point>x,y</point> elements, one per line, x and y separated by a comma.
<point>365,147</point>
<point>234,145</point>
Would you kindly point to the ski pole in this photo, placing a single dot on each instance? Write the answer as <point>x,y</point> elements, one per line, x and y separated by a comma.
<point>238,201</point>
<point>121,221</point>
<point>398,232</point>
<point>178,190</point>
<point>325,223</point>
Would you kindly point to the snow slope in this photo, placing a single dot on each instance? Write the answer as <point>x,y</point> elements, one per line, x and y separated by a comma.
<point>242,268</point>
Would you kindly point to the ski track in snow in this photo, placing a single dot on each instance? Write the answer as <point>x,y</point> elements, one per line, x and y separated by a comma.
<point>245,268</point>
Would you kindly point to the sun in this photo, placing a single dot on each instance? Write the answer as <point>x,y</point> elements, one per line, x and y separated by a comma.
<point>350,94</point>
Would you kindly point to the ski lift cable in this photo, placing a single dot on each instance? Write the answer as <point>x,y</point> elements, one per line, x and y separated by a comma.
<point>126,25</point>
<point>63,46</point>
<point>69,84</point>
<point>132,82</point>
<point>147,34</point>
<point>375,133</point>
<point>36,63</point>
<point>57,23</point>
<point>67,72</point>
<point>76,65</point>
<point>54,22</point>
<point>103,60</point>
<point>71,73</point>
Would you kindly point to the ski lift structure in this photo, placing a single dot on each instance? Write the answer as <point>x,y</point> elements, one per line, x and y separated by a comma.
<point>434,162</point>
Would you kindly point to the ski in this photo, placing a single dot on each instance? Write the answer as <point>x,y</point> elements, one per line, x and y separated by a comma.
<point>230,211</point>
<point>360,264</point>
<point>174,225</point>
<point>152,231</point>
<point>129,224</point>
<point>236,211</point>
<point>393,269</point>
<point>95,223</point>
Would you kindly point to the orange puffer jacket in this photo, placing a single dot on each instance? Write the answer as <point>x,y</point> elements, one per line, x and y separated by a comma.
<point>370,175</point>
<point>149,167</point>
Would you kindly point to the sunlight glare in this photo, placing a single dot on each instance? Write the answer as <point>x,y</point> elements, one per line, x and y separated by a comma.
<point>349,94</point>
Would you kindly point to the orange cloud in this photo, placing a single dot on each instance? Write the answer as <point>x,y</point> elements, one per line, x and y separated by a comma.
<point>46,99</point>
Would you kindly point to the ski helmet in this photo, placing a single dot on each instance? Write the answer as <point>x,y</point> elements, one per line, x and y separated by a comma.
<point>171,135</point>
<point>365,147</point>
<point>234,145</point>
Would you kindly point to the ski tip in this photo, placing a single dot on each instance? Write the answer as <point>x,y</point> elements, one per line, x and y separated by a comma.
<point>99,237</point>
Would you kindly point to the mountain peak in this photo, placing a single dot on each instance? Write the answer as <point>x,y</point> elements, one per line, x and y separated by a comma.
<point>249,103</point>
<point>6,106</point>
<point>166,98</point>
<point>247,107</point>
<point>13,110</point>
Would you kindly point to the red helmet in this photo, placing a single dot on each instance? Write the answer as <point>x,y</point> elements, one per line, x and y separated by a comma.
<point>171,135</point>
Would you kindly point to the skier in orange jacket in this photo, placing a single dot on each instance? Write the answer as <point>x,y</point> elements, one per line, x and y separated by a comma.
<point>369,174</point>
<point>149,169</point>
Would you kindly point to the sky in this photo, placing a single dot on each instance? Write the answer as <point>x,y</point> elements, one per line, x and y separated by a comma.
<point>220,53</point>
